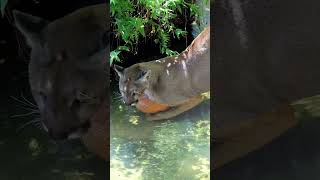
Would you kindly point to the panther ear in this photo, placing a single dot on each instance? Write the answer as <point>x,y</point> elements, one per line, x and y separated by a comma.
<point>118,69</point>
<point>30,26</point>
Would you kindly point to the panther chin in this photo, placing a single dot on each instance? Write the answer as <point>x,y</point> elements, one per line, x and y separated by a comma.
<point>80,132</point>
<point>75,133</point>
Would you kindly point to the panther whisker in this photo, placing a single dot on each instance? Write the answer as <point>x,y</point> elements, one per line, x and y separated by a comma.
<point>29,109</point>
<point>119,100</point>
<point>117,94</point>
<point>27,124</point>
<point>24,114</point>
<point>84,94</point>
<point>26,105</point>
<point>22,102</point>
<point>118,97</point>
<point>39,125</point>
<point>28,101</point>
<point>87,97</point>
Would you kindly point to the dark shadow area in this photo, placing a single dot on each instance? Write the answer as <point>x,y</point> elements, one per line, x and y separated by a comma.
<point>293,156</point>
<point>26,151</point>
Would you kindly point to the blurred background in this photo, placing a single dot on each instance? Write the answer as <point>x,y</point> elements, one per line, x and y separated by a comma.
<point>26,152</point>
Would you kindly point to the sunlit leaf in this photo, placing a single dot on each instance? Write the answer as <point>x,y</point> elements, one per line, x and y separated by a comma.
<point>114,56</point>
<point>123,48</point>
<point>34,147</point>
<point>134,119</point>
<point>180,32</point>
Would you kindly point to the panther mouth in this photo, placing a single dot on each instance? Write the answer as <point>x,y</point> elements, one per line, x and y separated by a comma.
<point>80,130</point>
<point>73,133</point>
<point>134,103</point>
<point>83,129</point>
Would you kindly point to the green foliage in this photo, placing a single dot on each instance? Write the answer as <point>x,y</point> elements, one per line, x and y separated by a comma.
<point>179,33</point>
<point>3,4</point>
<point>135,20</point>
<point>114,56</point>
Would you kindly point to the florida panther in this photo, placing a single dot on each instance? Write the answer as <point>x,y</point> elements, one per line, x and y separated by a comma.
<point>175,81</point>
<point>68,73</point>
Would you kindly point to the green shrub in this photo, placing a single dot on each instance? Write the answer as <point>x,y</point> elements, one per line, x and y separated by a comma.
<point>134,20</point>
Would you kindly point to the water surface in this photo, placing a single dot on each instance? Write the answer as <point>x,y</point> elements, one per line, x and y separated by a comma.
<point>178,148</point>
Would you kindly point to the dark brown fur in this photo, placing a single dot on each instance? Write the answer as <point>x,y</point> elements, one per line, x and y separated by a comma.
<point>68,72</point>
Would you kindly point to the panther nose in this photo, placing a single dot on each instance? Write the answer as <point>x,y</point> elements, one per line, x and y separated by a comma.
<point>128,103</point>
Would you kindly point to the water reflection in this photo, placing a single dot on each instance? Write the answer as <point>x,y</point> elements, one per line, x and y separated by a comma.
<point>175,149</point>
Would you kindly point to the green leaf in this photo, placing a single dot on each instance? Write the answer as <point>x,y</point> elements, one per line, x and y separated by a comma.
<point>114,56</point>
<point>131,18</point>
<point>123,48</point>
<point>169,52</point>
<point>141,31</point>
<point>179,9</point>
<point>3,4</point>
<point>180,32</point>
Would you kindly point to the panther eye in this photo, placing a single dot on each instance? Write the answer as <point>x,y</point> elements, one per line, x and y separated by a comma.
<point>60,56</point>
<point>43,96</point>
<point>134,93</point>
<point>43,99</point>
<point>76,103</point>
<point>141,74</point>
